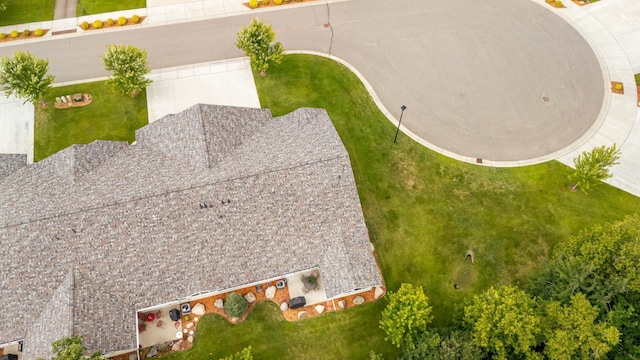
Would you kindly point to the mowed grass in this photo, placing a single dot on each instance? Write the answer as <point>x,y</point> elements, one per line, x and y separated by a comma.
<point>110,116</point>
<point>424,212</point>
<point>90,7</point>
<point>27,11</point>
<point>336,335</point>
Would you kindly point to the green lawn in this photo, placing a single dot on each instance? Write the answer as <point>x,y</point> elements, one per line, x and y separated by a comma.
<point>89,7</point>
<point>26,11</point>
<point>423,211</point>
<point>331,336</point>
<point>111,116</point>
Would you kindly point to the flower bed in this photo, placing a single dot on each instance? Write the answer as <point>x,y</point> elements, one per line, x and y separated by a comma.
<point>25,34</point>
<point>112,23</point>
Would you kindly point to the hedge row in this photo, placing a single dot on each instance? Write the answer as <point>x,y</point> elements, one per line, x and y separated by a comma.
<point>121,21</point>
<point>15,33</point>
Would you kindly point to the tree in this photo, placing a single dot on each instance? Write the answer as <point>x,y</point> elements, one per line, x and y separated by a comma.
<point>593,166</point>
<point>71,348</point>
<point>244,354</point>
<point>406,316</point>
<point>601,263</point>
<point>503,322</point>
<point>129,66</point>
<point>257,42</point>
<point>25,75</point>
<point>235,305</point>
<point>573,333</point>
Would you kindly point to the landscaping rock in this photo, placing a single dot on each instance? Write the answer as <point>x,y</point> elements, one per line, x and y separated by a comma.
<point>177,346</point>
<point>319,309</point>
<point>189,325</point>
<point>342,304</point>
<point>198,309</point>
<point>284,306</point>
<point>358,300</point>
<point>271,292</point>
<point>219,304</point>
<point>250,297</point>
<point>378,292</point>
<point>302,315</point>
<point>153,352</point>
<point>190,339</point>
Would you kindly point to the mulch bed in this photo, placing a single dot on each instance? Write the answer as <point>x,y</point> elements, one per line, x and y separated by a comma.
<point>581,3</point>
<point>554,4</point>
<point>638,87</point>
<point>267,3</point>
<point>86,100</point>
<point>115,24</point>
<point>613,88</point>
<point>22,36</point>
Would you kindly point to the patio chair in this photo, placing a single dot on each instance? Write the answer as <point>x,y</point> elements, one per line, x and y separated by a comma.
<point>158,314</point>
<point>160,323</point>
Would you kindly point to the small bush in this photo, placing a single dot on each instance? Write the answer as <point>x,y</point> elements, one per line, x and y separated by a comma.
<point>122,20</point>
<point>236,305</point>
<point>110,21</point>
<point>84,25</point>
<point>3,36</point>
<point>14,34</point>
<point>27,32</point>
<point>253,4</point>
<point>618,86</point>
<point>558,4</point>
<point>135,19</point>
<point>38,32</point>
<point>277,2</point>
<point>97,24</point>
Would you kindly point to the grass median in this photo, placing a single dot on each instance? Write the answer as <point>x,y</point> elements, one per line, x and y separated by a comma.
<point>424,212</point>
<point>110,116</point>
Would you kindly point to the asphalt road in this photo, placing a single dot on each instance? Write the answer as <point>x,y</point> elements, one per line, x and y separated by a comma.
<point>492,79</point>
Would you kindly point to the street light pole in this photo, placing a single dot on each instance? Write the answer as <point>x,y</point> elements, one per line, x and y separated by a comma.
<point>403,108</point>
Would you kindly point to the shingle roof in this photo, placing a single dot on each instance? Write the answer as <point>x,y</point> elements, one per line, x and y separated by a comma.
<point>112,228</point>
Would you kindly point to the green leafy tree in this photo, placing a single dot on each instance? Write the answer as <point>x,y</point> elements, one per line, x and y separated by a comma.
<point>374,356</point>
<point>244,354</point>
<point>235,305</point>
<point>593,167</point>
<point>503,322</point>
<point>25,75</point>
<point>258,43</point>
<point>406,316</point>
<point>457,345</point>
<point>422,348</point>
<point>72,348</point>
<point>574,333</point>
<point>129,66</point>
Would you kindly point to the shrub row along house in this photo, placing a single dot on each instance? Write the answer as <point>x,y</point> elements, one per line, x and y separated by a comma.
<point>96,232</point>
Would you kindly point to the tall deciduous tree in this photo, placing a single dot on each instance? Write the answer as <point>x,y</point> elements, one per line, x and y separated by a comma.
<point>572,332</point>
<point>593,166</point>
<point>71,348</point>
<point>25,75</point>
<point>406,316</point>
<point>258,43</point>
<point>129,66</point>
<point>503,322</point>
